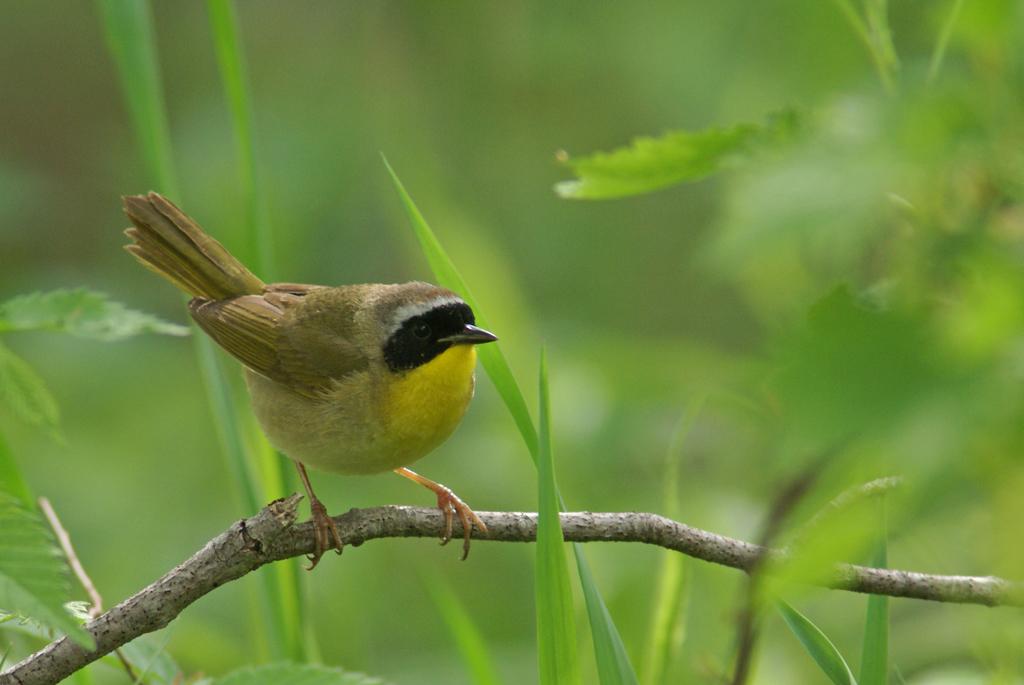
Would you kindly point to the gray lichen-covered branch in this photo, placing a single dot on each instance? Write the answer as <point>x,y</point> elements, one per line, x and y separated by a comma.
<point>273,534</point>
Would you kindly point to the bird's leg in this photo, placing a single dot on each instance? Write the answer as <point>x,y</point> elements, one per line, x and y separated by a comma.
<point>324,531</point>
<point>450,505</point>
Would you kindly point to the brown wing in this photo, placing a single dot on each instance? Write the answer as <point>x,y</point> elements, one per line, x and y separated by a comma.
<point>282,334</point>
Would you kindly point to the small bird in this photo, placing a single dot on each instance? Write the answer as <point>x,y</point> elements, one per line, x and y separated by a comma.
<point>352,379</point>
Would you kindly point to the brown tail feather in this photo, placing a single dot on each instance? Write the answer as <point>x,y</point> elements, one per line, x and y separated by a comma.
<point>168,242</point>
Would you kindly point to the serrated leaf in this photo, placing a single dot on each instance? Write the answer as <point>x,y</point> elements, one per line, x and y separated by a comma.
<point>82,313</point>
<point>11,480</point>
<point>34,580</point>
<point>556,627</point>
<point>650,164</point>
<point>24,394</point>
<point>817,644</point>
<point>295,674</point>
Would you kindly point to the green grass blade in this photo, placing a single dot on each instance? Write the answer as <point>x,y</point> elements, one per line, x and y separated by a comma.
<point>874,663</point>
<point>491,356</point>
<point>666,618</point>
<point>817,644</point>
<point>939,53</point>
<point>233,71</point>
<point>613,665</point>
<point>468,638</point>
<point>874,33</point>
<point>556,624</point>
<point>128,26</point>
<point>666,613</point>
<point>607,640</point>
<point>274,472</point>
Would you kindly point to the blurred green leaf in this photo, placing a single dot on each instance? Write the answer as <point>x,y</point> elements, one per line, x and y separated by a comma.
<point>874,662</point>
<point>82,313</point>
<point>556,625</point>
<point>650,164</point>
<point>817,645</point>
<point>34,580</point>
<point>151,662</point>
<point>294,674</point>
<point>853,367</point>
<point>468,638</point>
<point>23,393</point>
<point>11,480</point>
<point>610,653</point>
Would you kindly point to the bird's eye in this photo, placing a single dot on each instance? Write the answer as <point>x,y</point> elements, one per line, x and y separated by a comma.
<point>421,330</point>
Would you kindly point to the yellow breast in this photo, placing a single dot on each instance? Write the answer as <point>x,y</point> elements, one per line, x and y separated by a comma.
<point>423,406</point>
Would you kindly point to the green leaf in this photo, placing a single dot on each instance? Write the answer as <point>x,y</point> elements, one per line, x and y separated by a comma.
<point>294,674</point>
<point>151,662</point>
<point>606,639</point>
<point>468,638</point>
<point>817,645</point>
<point>556,625</point>
<point>11,480</point>
<point>874,662</point>
<point>23,393</point>
<point>882,361</point>
<point>82,313</point>
<point>34,579</point>
<point>650,164</point>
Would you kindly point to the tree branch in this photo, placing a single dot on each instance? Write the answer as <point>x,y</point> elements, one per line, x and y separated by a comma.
<point>272,535</point>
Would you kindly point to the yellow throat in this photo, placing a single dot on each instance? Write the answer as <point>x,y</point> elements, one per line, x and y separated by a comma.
<point>424,405</point>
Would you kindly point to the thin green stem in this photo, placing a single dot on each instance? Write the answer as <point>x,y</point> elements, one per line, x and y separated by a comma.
<point>939,53</point>
<point>285,588</point>
<point>231,61</point>
<point>874,35</point>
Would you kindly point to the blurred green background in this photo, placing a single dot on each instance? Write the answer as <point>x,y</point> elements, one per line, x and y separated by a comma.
<point>859,286</point>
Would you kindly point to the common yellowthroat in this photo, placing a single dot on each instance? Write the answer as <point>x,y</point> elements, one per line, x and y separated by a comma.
<point>353,379</point>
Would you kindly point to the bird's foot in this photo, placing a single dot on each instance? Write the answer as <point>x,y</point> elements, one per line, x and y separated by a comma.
<point>450,505</point>
<point>325,533</point>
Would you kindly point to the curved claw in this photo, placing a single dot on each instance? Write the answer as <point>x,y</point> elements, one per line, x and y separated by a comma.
<point>450,505</point>
<point>325,534</point>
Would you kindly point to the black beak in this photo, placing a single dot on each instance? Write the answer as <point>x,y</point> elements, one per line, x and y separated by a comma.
<point>470,335</point>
